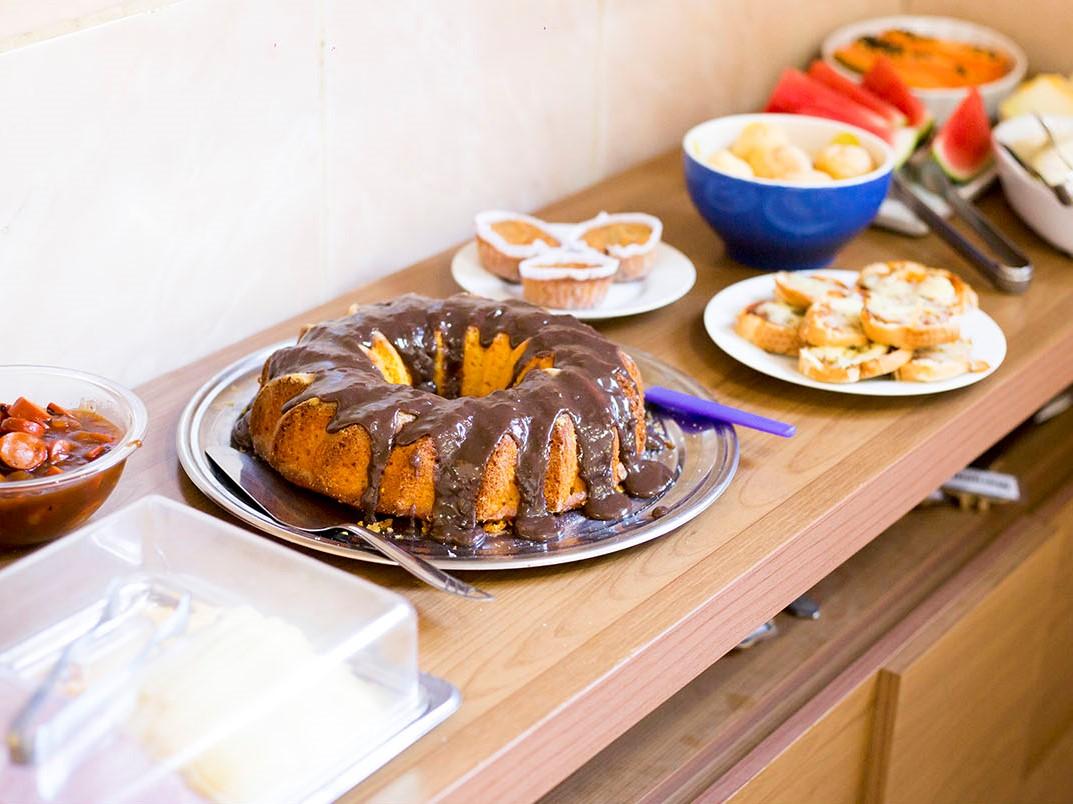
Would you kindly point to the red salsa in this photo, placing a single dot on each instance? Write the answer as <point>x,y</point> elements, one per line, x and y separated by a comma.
<point>40,442</point>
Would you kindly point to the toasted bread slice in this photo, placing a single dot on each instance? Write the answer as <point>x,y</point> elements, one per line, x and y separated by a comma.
<point>835,321</point>
<point>850,363</point>
<point>941,363</point>
<point>936,288</point>
<point>907,322</point>
<point>771,325</point>
<point>801,290</point>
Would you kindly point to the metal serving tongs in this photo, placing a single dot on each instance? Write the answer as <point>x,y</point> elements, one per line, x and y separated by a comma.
<point>50,725</point>
<point>1009,269</point>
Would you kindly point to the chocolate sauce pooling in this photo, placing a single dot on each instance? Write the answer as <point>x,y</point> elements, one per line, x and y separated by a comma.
<point>590,385</point>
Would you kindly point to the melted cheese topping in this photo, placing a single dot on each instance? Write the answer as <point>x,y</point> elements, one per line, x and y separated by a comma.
<point>938,288</point>
<point>777,313</point>
<point>813,287</point>
<point>845,356</point>
<point>958,351</point>
<point>894,309</point>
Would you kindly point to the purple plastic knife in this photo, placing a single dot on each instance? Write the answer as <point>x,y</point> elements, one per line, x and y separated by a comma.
<point>706,409</point>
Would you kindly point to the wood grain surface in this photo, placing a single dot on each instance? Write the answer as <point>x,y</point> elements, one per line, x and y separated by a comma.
<point>567,658</point>
<point>698,740</point>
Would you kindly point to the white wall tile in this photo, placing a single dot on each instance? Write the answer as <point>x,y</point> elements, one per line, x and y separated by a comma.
<point>23,22</point>
<point>668,65</point>
<point>161,184</point>
<point>439,110</point>
<point>1042,27</point>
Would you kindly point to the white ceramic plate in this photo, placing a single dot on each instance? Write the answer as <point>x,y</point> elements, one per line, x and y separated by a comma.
<point>671,278</point>
<point>988,343</point>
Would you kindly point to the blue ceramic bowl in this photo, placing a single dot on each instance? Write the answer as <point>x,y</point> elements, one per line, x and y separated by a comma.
<point>779,224</point>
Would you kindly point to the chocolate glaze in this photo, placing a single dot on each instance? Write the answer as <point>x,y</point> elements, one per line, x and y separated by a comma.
<point>590,384</point>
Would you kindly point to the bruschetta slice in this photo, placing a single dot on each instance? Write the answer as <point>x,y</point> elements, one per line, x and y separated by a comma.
<point>936,288</point>
<point>835,320</point>
<point>907,322</point>
<point>850,363</point>
<point>772,325</point>
<point>941,363</point>
<point>801,290</point>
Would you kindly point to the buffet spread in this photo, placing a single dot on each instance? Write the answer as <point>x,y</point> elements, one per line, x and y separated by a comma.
<point>495,429</point>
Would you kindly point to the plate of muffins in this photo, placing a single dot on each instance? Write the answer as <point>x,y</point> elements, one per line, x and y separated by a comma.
<point>612,265</point>
<point>894,328</point>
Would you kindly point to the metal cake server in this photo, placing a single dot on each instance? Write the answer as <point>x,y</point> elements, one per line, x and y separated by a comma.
<point>299,509</point>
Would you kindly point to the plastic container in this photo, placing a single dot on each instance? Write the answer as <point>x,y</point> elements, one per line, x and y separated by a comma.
<point>207,664</point>
<point>35,511</point>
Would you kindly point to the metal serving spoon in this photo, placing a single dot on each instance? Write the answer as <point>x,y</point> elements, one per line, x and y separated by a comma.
<point>1062,191</point>
<point>311,513</point>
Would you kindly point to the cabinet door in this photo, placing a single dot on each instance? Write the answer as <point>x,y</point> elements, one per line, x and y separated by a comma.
<point>954,706</point>
<point>826,763</point>
<point>1049,765</point>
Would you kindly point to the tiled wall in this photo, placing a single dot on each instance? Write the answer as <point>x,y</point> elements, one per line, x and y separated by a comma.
<point>175,174</point>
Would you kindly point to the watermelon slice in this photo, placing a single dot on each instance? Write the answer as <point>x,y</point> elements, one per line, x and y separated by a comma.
<point>883,80</point>
<point>963,145</point>
<point>827,75</point>
<point>796,93</point>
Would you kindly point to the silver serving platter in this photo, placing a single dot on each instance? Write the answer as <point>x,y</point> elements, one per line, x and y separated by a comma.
<point>704,457</point>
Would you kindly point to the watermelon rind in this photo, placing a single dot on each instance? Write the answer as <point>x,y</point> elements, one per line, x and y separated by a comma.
<point>962,148</point>
<point>955,174</point>
<point>905,142</point>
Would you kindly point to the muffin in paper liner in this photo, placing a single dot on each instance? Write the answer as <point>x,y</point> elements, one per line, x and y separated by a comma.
<point>568,279</point>
<point>504,239</point>
<point>629,237</point>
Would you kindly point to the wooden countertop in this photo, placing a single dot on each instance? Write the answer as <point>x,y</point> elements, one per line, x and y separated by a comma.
<point>567,658</point>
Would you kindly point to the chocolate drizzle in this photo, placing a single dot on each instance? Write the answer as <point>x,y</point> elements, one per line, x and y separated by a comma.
<point>589,383</point>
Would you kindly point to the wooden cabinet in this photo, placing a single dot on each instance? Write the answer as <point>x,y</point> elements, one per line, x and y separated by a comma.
<point>941,671</point>
<point>955,705</point>
<point>827,763</point>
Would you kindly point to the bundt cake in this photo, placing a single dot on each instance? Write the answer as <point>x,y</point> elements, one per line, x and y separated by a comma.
<point>462,412</point>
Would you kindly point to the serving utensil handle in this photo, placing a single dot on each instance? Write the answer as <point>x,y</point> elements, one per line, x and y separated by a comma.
<point>417,566</point>
<point>1011,273</point>
<point>707,409</point>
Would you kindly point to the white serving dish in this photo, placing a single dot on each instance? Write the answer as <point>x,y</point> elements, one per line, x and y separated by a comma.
<point>1030,198</point>
<point>941,102</point>
<point>672,276</point>
<point>308,674</point>
<point>988,342</point>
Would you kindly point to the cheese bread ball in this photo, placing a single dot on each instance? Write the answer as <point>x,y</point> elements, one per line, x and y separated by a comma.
<point>726,162</point>
<point>758,136</point>
<point>779,162</point>
<point>842,161</point>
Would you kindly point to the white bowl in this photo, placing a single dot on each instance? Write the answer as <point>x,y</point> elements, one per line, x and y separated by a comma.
<point>941,102</point>
<point>1028,196</point>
